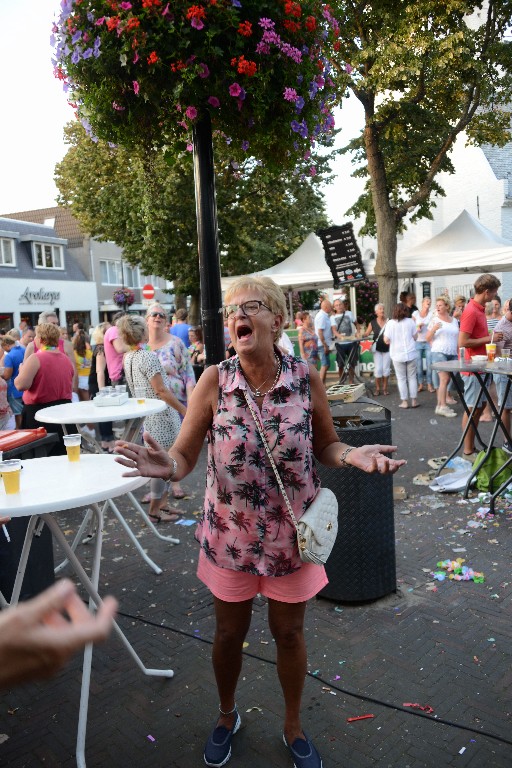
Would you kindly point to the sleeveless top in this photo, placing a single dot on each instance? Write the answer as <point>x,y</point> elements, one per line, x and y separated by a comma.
<point>245,525</point>
<point>53,381</point>
<point>310,344</point>
<point>380,345</point>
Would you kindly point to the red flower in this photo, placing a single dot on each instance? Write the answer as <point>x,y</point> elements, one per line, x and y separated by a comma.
<point>196,12</point>
<point>151,3</point>
<point>244,67</point>
<point>291,26</point>
<point>293,9</point>
<point>310,23</point>
<point>152,58</point>
<point>245,28</point>
<point>112,23</point>
<point>132,23</point>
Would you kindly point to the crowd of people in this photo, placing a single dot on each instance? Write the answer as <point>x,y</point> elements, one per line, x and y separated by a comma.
<point>247,542</point>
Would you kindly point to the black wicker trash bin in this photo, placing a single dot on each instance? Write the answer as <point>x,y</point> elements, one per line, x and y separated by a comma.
<point>362,563</point>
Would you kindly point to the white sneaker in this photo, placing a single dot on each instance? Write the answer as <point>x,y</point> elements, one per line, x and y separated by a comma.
<point>90,433</point>
<point>443,410</point>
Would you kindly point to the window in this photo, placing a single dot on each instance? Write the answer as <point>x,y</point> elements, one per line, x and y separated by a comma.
<point>110,273</point>
<point>132,276</point>
<point>48,256</point>
<point>7,253</point>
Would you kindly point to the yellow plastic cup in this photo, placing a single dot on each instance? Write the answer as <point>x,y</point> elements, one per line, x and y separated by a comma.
<point>491,352</point>
<point>11,472</point>
<point>73,443</point>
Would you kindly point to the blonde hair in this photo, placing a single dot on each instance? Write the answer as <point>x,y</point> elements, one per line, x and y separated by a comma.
<point>99,332</point>
<point>270,293</point>
<point>156,307</point>
<point>444,298</point>
<point>48,333</point>
<point>132,329</point>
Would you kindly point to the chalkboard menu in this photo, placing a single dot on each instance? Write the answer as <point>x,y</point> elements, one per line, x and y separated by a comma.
<point>342,254</point>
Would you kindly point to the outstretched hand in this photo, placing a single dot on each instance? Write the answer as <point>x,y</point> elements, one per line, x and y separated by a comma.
<point>39,636</point>
<point>150,460</point>
<point>371,458</point>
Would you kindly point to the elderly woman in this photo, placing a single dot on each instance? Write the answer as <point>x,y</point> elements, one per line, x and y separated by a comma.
<point>400,333</point>
<point>46,378</point>
<point>175,360</point>
<point>380,350</point>
<point>144,371</point>
<point>247,541</point>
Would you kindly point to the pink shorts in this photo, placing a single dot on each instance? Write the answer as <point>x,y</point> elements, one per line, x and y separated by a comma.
<point>237,586</point>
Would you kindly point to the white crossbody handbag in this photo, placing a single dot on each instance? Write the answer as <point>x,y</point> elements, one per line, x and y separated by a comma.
<point>318,526</point>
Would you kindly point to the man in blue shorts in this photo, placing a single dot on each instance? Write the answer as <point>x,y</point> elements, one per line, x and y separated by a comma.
<point>323,330</point>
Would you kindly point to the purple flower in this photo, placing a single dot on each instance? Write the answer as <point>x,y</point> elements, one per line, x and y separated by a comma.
<point>299,104</point>
<point>235,90</point>
<point>125,6</point>
<point>87,53</point>
<point>76,37</point>
<point>236,4</point>
<point>213,101</point>
<point>295,126</point>
<point>245,145</point>
<point>204,71</point>
<point>136,88</point>
<point>266,23</point>
<point>75,58</point>
<point>196,23</point>
<point>290,94</point>
<point>191,113</point>
<point>312,171</point>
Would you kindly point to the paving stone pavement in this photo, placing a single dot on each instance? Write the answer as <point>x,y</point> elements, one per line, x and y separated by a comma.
<point>446,645</point>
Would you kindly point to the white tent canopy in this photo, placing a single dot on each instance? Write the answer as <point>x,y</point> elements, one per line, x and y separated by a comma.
<point>465,246</point>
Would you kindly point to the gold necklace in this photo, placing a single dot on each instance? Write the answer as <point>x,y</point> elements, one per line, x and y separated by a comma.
<point>257,392</point>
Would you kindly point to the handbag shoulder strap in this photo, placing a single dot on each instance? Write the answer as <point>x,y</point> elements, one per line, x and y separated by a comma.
<point>259,427</point>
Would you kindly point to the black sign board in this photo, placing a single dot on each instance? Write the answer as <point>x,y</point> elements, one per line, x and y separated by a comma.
<point>342,254</point>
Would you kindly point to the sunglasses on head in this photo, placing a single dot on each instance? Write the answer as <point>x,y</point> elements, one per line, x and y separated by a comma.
<point>157,314</point>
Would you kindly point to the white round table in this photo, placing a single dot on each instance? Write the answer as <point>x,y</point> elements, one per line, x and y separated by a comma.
<point>54,484</point>
<point>132,414</point>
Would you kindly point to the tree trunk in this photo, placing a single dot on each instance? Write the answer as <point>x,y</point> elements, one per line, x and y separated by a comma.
<point>385,266</point>
<point>194,313</point>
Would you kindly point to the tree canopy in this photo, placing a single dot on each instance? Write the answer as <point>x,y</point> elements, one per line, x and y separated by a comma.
<point>144,201</point>
<point>424,73</point>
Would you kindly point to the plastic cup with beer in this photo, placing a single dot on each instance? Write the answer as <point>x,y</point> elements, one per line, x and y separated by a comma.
<point>72,443</point>
<point>140,395</point>
<point>491,352</point>
<point>11,471</point>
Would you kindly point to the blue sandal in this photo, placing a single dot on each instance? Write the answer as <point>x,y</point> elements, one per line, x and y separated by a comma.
<point>218,747</point>
<point>304,753</point>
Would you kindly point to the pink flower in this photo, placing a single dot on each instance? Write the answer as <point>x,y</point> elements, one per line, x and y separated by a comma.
<point>136,87</point>
<point>213,101</point>
<point>125,6</point>
<point>312,171</point>
<point>197,23</point>
<point>290,94</point>
<point>235,90</point>
<point>191,113</point>
<point>135,58</point>
<point>204,72</point>
<point>190,147</point>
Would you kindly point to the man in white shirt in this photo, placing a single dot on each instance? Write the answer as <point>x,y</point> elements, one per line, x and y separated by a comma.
<point>323,330</point>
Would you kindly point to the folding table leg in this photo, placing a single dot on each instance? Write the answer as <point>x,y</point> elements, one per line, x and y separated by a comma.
<point>148,522</point>
<point>133,538</point>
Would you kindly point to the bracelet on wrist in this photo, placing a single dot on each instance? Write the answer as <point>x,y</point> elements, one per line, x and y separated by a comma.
<point>344,456</point>
<point>174,468</point>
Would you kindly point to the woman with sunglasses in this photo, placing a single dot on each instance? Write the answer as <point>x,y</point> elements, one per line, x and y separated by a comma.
<point>175,360</point>
<point>247,540</point>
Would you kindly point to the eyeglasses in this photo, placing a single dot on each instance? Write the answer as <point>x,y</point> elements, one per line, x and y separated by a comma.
<point>247,307</point>
<point>157,314</point>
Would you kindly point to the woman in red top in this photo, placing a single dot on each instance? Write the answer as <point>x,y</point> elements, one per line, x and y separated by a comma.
<point>46,378</point>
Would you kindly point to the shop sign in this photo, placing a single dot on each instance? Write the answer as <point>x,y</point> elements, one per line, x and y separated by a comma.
<point>41,296</point>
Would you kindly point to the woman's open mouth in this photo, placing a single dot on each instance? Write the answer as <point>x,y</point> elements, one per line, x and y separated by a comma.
<point>243,332</point>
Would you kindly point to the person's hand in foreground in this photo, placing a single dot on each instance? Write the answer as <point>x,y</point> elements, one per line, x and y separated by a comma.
<point>150,461</point>
<point>39,636</point>
<point>370,458</point>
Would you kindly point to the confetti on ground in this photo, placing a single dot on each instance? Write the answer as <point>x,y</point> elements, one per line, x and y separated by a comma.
<point>360,717</point>
<point>457,571</point>
<point>150,737</point>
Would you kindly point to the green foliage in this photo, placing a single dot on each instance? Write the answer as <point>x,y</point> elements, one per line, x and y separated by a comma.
<point>424,72</point>
<point>144,201</point>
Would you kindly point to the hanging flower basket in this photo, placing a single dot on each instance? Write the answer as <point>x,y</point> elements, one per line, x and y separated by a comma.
<point>123,297</point>
<point>146,69</point>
